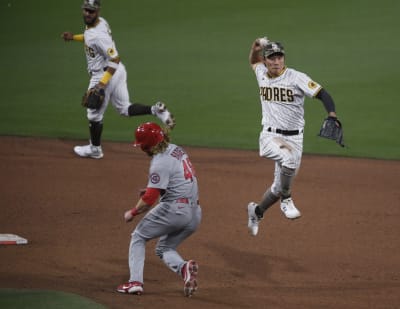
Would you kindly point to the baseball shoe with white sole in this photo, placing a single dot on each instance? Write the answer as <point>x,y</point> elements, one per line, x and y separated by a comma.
<point>134,287</point>
<point>253,218</point>
<point>160,110</point>
<point>89,151</point>
<point>189,274</point>
<point>289,209</point>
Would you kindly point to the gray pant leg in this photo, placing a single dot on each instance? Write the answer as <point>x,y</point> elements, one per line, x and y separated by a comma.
<point>155,223</point>
<point>162,221</point>
<point>166,246</point>
<point>137,250</point>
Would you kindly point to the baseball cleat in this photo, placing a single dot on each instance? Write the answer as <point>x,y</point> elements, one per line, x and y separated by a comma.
<point>288,209</point>
<point>189,274</point>
<point>253,218</point>
<point>162,113</point>
<point>89,151</point>
<point>134,287</point>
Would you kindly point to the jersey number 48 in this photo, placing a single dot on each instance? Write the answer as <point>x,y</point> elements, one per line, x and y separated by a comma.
<point>188,169</point>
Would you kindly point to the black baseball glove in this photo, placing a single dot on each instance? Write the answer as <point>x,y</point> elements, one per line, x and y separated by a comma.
<point>332,129</point>
<point>93,98</point>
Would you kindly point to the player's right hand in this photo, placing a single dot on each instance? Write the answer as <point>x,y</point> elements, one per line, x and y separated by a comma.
<point>67,36</point>
<point>128,216</point>
<point>263,41</point>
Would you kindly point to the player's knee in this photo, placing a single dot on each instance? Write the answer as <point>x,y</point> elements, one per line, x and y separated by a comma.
<point>276,189</point>
<point>289,163</point>
<point>287,171</point>
<point>161,250</point>
<point>135,237</point>
<point>94,117</point>
<point>123,110</point>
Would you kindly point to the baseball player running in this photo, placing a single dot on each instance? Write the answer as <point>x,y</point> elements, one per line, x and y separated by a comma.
<point>107,80</point>
<point>282,94</point>
<point>175,217</point>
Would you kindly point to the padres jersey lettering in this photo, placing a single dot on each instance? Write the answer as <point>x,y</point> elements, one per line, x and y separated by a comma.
<point>277,94</point>
<point>282,97</point>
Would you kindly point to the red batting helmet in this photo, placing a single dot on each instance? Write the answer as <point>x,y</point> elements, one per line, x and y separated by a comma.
<point>148,135</point>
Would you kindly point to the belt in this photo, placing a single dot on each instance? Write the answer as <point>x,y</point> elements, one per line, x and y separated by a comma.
<point>185,200</point>
<point>284,132</point>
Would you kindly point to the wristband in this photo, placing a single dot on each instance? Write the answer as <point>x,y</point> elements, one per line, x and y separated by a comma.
<point>106,78</point>
<point>78,37</point>
<point>134,211</point>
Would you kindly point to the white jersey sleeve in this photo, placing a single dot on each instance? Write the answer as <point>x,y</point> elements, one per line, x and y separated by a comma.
<point>307,85</point>
<point>260,70</point>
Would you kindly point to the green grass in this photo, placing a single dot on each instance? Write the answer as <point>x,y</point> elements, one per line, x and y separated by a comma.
<point>193,55</point>
<point>38,299</point>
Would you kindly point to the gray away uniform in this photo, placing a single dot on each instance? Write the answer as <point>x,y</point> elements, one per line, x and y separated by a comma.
<point>174,218</point>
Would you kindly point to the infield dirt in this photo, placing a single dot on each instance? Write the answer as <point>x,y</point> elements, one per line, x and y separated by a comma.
<point>342,253</point>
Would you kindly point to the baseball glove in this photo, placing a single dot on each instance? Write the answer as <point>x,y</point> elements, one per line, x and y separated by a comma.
<point>93,98</point>
<point>332,129</point>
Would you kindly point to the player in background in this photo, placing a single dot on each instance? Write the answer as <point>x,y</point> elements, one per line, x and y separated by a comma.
<point>175,217</point>
<point>108,72</point>
<point>282,93</point>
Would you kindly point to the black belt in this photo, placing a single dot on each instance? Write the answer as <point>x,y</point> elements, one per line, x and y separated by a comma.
<point>284,132</point>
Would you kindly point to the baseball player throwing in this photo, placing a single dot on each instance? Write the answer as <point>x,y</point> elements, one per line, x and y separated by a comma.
<point>107,80</point>
<point>177,215</point>
<point>282,94</point>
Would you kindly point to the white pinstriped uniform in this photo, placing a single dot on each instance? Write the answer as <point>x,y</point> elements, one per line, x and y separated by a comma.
<point>99,49</point>
<point>282,103</point>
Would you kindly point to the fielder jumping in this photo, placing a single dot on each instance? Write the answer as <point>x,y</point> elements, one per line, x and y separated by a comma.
<point>282,92</point>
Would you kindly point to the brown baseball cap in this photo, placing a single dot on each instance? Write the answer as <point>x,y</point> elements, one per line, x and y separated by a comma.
<point>91,5</point>
<point>273,48</point>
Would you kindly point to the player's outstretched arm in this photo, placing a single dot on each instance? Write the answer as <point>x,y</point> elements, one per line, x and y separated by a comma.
<point>328,102</point>
<point>69,36</point>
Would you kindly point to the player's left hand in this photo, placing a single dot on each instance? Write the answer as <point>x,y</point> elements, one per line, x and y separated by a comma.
<point>332,129</point>
<point>94,97</point>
